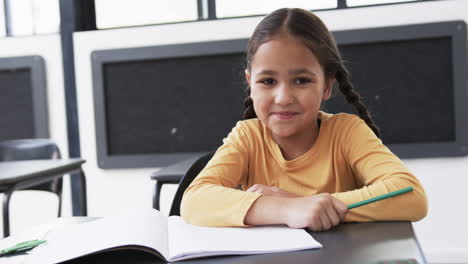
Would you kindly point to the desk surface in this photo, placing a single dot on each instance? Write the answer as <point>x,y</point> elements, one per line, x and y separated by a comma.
<point>12,172</point>
<point>174,172</point>
<point>360,243</point>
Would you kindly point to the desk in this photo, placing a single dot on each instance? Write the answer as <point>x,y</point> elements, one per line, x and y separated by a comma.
<point>350,243</point>
<point>170,175</point>
<point>17,175</point>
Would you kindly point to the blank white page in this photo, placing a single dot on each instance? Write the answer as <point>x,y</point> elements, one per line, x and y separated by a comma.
<point>187,241</point>
<point>147,228</point>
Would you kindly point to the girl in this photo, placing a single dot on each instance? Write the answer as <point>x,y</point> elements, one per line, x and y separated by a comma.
<point>297,165</point>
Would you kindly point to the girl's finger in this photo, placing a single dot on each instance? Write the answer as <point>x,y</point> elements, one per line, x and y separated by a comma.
<point>332,214</point>
<point>325,222</point>
<point>316,225</point>
<point>340,208</point>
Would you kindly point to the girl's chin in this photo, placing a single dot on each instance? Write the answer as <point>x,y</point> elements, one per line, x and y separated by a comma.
<point>283,133</point>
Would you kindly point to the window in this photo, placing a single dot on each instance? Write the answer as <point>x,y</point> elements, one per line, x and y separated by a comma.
<point>375,2</point>
<point>2,20</point>
<point>21,17</point>
<point>229,8</point>
<point>121,13</point>
<point>46,14</point>
<point>29,17</point>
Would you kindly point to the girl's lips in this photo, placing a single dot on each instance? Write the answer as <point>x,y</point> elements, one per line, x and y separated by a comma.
<point>284,115</point>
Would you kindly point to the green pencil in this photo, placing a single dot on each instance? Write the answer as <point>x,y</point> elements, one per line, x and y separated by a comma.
<point>380,197</point>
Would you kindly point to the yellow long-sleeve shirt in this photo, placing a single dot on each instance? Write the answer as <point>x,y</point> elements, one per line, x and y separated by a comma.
<point>347,160</point>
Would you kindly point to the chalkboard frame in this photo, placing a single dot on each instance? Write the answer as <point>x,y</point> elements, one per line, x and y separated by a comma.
<point>36,65</point>
<point>100,57</point>
<point>456,30</point>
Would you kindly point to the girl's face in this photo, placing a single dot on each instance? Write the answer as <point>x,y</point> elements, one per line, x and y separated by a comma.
<point>287,85</point>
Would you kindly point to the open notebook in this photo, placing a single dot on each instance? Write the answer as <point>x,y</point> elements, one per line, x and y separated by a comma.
<point>167,237</point>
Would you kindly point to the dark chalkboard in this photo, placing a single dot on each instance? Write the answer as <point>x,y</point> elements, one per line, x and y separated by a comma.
<point>172,105</point>
<point>23,104</point>
<point>407,86</point>
<point>158,105</point>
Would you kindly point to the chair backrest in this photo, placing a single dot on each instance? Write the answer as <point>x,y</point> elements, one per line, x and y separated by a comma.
<point>31,149</point>
<point>185,181</point>
<point>28,149</point>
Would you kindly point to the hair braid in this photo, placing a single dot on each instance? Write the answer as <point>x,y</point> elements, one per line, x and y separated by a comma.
<point>353,98</point>
<point>249,111</point>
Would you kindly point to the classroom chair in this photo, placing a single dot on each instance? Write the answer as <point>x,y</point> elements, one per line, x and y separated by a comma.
<point>30,149</point>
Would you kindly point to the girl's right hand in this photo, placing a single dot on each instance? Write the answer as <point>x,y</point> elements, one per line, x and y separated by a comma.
<point>318,212</point>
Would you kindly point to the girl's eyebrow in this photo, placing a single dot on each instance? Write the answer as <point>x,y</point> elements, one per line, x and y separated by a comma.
<point>291,72</point>
<point>267,72</point>
<point>301,71</point>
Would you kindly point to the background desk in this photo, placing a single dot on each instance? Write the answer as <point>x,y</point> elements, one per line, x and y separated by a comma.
<point>16,175</point>
<point>350,243</point>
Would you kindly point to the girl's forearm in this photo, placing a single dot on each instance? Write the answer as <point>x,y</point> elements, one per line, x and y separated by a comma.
<point>268,210</point>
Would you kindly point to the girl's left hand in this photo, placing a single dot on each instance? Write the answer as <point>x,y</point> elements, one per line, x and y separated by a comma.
<point>270,191</point>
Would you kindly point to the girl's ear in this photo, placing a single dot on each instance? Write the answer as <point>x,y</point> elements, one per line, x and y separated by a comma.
<point>328,88</point>
<point>247,76</point>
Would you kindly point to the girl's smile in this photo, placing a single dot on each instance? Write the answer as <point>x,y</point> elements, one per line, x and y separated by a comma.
<point>284,115</point>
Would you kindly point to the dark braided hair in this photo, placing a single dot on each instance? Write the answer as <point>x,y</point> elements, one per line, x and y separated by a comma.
<point>306,26</point>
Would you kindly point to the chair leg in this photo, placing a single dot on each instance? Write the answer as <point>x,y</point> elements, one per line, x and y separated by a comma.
<point>84,203</point>
<point>59,194</point>
<point>57,189</point>
<point>157,193</point>
<point>6,213</point>
<point>79,203</point>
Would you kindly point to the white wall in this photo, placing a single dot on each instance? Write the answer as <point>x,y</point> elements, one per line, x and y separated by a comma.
<point>32,207</point>
<point>443,234</point>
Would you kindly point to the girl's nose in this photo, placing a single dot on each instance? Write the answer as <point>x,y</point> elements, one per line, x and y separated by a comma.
<point>284,95</point>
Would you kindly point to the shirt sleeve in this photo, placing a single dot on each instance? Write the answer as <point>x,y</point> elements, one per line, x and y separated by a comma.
<point>212,198</point>
<point>378,171</point>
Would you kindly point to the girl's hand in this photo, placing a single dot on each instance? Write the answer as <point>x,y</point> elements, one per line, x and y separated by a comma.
<point>271,191</point>
<point>318,212</point>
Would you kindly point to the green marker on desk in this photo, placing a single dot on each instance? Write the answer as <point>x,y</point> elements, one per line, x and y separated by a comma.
<point>380,197</point>
<point>21,247</point>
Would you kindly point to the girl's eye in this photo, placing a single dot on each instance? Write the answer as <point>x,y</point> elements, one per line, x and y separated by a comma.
<point>302,80</point>
<point>268,81</point>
